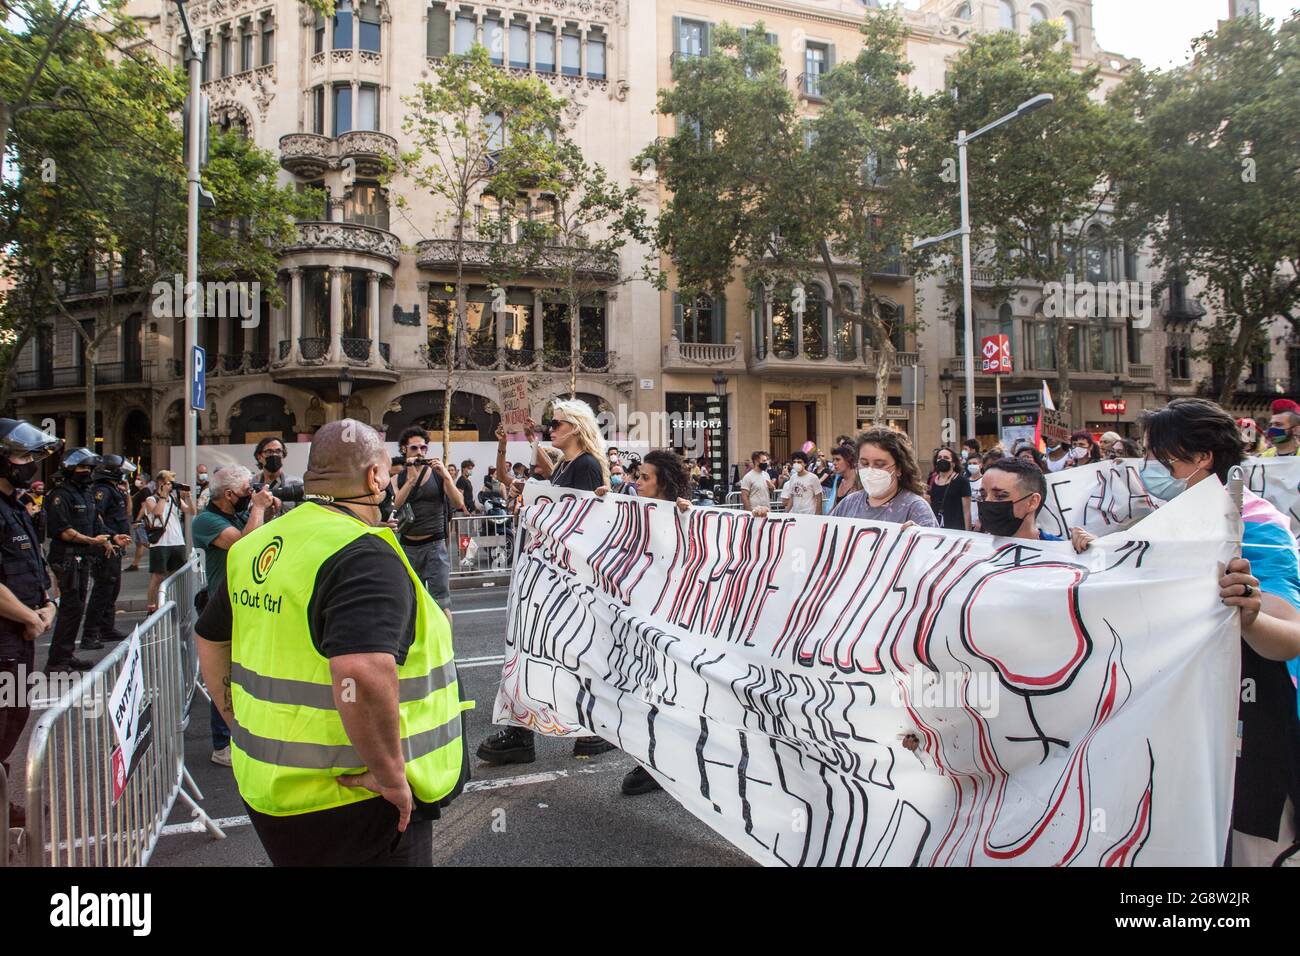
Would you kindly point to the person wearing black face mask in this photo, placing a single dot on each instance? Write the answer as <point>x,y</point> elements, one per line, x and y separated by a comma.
<point>270,459</point>
<point>1011,495</point>
<point>950,492</point>
<point>77,534</point>
<point>106,570</point>
<point>26,610</point>
<point>232,512</point>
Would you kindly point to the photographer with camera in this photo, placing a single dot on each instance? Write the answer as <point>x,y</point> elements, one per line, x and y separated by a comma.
<point>162,523</point>
<point>270,462</point>
<point>426,494</point>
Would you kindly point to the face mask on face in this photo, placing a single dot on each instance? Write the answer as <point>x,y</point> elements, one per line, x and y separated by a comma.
<point>973,470</point>
<point>943,466</point>
<point>877,481</point>
<point>1078,453</point>
<point>798,467</point>
<point>242,503</point>
<point>21,475</point>
<point>1158,480</point>
<point>998,518</point>
<point>203,478</point>
<point>1277,435</point>
<point>81,478</point>
<point>272,463</point>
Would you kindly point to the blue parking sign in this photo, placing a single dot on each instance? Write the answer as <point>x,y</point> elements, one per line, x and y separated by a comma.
<point>199,397</point>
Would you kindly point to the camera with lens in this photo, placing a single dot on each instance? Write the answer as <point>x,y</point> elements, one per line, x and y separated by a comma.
<point>291,492</point>
<point>179,486</point>
<point>399,461</point>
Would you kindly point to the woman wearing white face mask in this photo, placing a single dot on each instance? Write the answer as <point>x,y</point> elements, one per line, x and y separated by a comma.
<point>892,482</point>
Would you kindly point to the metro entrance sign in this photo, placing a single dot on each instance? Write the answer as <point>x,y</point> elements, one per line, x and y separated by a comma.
<point>995,355</point>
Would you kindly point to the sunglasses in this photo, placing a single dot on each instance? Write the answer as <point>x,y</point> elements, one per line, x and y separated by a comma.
<point>417,447</point>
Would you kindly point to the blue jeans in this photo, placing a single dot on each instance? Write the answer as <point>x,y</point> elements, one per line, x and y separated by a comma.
<point>220,732</point>
<point>429,560</point>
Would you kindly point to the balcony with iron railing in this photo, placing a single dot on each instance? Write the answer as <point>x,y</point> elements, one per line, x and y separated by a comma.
<point>107,374</point>
<point>783,359</point>
<point>811,85</point>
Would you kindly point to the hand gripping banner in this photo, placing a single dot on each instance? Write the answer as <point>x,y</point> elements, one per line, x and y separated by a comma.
<point>824,691</point>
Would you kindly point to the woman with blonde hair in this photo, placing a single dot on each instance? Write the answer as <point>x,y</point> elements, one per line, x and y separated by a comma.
<point>583,467</point>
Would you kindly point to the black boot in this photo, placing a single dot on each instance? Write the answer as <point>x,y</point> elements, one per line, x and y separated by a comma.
<point>638,781</point>
<point>510,745</point>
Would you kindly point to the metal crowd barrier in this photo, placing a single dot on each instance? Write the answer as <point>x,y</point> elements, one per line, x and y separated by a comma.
<point>481,546</point>
<point>72,816</point>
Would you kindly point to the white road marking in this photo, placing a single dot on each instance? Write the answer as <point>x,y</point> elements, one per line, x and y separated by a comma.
<point>474,786</point>
<point>495,662</point>
<point>480,610</point>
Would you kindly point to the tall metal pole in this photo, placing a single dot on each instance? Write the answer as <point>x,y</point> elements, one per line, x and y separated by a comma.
<point>192,267</point>
<point>965,289</point>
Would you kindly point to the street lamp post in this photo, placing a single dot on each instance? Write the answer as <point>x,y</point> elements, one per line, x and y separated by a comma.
<point>945,383</point>
<point>1025,108</point>
<point>715,446</point>
<point>345,391</point>
<point>194,55</point>
<point>1117,393</point>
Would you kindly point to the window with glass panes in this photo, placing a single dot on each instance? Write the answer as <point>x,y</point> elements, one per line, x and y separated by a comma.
<point>365,205</point>
<point>692,38</point>
<point>368,26</point>
<point>268,43</point>
<point>494,38</point>
<point>570,52</point>
<point>343,25</point>
<point>464,35</point>
<point>367,107</point>
<point>545,47</point>
<point>226,53</point>
<point>318,37</point>
<point>519,44</point>
<point>342,108</point>
<point>815,66</point>
<point>438,36</point>
<point>846,349</point>
<point>246,48</point>
<point>205,65</point>
<point>318,110</point>
<point>596,55</point>
<point>699,320</point>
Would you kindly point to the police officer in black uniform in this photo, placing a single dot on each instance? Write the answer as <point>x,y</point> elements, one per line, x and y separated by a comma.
<point>76,535</point>
<point>110,477</point>
<point>26,610</point>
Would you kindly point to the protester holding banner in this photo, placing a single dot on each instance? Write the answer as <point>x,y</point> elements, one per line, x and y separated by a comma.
<point>1058,457</point>
<point>1188,441</point>
<point>584,467</point>
<point>891,481</point>
<point>1011,495</point>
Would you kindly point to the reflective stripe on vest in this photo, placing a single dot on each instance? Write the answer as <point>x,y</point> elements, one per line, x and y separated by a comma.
<point>288,742</point>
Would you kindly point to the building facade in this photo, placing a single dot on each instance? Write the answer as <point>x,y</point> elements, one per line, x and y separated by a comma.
<point>365,285</point>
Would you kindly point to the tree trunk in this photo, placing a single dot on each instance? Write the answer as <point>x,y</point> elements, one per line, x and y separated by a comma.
<point>574,317</point>
<point>885,352</point>
<point>1063,366</point>
<point>1249,328</point>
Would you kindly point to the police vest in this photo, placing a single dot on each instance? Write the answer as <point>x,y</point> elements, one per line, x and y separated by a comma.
<point>288,743</point>
<point>111,504</point>
<point>20,555</point>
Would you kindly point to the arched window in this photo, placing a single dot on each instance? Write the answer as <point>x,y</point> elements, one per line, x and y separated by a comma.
<point>1037,13</point>
<point>1006,15</point>
<point>1071,29</point>
<point>783,331</point>
<point>815,333</point>
<point>963,12</point>
<point>846,349</point>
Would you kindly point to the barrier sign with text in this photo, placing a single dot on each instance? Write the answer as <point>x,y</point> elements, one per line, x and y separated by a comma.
<point>132,721</point>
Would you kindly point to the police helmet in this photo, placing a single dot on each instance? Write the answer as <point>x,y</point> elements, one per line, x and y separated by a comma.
<point>18,439</point>
<point>114,467</point>
<point>79,458</point>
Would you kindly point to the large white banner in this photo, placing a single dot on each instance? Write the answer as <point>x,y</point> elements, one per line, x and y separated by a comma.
<point>1108,495</point>
<point>1069,709</point>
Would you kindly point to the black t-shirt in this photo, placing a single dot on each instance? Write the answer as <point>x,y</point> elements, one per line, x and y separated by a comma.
<point>137,499</point>
<point>429,505</point>
<point>363,603</point>
<point>946,500</point>
<point>466,491</point>
<point>581,474</point>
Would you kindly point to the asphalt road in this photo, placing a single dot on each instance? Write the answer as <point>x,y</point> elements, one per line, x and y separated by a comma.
<point>560,810</point>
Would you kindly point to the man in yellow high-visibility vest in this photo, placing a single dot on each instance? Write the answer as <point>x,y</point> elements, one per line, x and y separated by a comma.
<point>334,669</point>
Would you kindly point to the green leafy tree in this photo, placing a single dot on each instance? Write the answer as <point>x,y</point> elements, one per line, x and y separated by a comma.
<point>1217,184</point>
<point>476,128</point>
<point>1038,183</point>
<point>579,246</point>
<point>755,184</point>
<point>115,208</point>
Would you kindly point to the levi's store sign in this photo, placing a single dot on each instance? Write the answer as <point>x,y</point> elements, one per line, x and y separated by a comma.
<point>1111,406</point>
<point>995,355</point>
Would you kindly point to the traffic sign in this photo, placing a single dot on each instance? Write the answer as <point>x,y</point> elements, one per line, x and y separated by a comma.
<point>199,397</point>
